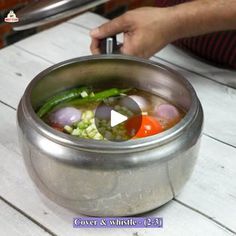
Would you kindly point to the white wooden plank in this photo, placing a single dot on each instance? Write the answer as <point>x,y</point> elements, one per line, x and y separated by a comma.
<point>171,54</point>
<point>17,188</point>
<point>60,43</point>
<point>17,69</point>
<point>8,130</point>
<point>185,60</point>
<point>219,102</point>
<point>14,223</point>
<point>89,20</point>
<point>212,188</point>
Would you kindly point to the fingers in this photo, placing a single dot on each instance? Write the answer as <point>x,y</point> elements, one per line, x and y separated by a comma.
<point>110,28</point>
<point>135,45</point>
<point>132,51</point>
<point>131,45</point>
<point>94,46</point>
<point>143,37</point>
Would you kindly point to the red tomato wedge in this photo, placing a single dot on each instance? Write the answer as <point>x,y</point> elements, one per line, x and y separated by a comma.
<point>57,127</point>
<point>143,126</point>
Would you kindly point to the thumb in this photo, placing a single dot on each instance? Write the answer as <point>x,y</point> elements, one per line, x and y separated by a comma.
<point>110,28</point>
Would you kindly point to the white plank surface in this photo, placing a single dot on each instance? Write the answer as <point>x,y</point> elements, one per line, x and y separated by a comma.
<point>17,68</point>
<point>14,223</point>
<point>171,54</point>
<point>60,43</point>
<point>211,190</point>
<point>88,20</point>
<point>185,60</point>
<point>18,189</point>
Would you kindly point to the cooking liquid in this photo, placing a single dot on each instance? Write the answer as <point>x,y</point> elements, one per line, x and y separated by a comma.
<point>153,101</point>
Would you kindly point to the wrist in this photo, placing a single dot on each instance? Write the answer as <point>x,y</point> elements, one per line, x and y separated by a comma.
<point>178,27</point>
<point>201,17</point>
<point>171,24</point>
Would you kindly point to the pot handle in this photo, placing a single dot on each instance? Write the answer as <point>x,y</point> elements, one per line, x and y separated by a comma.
<point>109,45</point>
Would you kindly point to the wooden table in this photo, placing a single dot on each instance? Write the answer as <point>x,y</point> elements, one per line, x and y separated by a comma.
<point>207,204</point>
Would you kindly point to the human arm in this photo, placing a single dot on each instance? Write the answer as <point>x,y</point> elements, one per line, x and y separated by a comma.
<point>147,30</point>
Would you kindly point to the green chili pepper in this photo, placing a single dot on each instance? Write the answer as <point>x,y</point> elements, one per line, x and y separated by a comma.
<point>100,96</point>
<point>64,96</point>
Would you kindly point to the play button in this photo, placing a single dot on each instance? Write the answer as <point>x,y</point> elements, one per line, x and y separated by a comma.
<point>112,116</point>
<point>117,118</point>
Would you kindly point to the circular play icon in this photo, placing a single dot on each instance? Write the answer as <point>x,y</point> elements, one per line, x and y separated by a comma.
<point>118,119</point>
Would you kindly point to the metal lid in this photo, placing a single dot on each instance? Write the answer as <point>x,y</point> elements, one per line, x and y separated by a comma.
<point>43,12</point>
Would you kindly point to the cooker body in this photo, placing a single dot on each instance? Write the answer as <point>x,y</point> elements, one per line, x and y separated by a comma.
<point>109,178</point>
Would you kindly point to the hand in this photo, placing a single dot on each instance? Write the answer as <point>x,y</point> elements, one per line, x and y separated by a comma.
<point>146,31</point>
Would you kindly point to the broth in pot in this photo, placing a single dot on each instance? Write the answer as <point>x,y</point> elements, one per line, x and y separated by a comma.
<point>86,113</point>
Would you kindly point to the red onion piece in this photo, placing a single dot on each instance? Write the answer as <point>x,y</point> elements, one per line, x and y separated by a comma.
<point>65,116</point>
<point>167,111</point>
<point>140,101</point>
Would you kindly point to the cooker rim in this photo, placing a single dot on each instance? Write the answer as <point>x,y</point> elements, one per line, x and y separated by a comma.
<point>107,146</point>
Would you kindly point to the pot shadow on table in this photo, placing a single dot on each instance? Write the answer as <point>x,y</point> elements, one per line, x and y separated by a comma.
<point>67,214</point>
<point>63,218</point>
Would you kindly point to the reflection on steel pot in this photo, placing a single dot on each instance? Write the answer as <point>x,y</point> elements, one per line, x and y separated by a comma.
<point>102,178</point>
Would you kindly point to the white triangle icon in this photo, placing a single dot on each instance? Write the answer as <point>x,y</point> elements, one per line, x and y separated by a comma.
<point>117,118</point>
